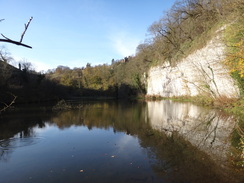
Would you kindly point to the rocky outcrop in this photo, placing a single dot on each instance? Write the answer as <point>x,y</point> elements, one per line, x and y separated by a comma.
<point>201,72</point>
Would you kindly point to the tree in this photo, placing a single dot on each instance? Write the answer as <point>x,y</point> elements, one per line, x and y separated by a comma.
<point>26,66</point>
<point>88,65</point>
<point>5,70</point>
<point>5,55</point>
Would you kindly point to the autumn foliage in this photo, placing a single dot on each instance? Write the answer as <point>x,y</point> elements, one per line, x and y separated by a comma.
<point>235,53</point>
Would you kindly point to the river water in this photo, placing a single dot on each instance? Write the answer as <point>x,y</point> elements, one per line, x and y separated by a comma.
<point>111,141</point>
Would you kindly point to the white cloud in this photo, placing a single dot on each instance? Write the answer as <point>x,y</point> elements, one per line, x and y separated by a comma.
<point>125,142</point>
<point>40,66</point>
<point>37,65</point>
<point>124,43</point>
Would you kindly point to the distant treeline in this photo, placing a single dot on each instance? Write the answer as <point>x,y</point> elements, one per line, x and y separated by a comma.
<point>120,79</point>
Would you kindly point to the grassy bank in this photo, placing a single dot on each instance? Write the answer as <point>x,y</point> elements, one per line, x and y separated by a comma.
<point>230,105</point>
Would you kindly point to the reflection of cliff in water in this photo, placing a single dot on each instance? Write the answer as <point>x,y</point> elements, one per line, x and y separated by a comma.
<point>208,130</point>
<point>172,157</point>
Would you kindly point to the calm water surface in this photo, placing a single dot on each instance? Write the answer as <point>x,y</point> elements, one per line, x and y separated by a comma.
<point>160,141</point>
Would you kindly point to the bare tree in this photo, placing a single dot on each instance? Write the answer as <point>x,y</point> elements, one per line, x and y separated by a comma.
<point>21,38</point>
<point>5,56</point>
<point>26,66</point>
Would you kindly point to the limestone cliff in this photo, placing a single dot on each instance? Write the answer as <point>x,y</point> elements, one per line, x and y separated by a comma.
<point>201,72</point>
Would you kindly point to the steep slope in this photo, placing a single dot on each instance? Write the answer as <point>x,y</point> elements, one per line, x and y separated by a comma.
<point>200,73</point>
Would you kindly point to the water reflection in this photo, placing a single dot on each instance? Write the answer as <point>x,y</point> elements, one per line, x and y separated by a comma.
<point>122,117</point>
<point>17,129</point>
<point>208,130</point>
<point>160,141</point>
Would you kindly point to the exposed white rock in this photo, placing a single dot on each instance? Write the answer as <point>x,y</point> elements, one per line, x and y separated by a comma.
<point>204,128</point>
<point>201,72</point>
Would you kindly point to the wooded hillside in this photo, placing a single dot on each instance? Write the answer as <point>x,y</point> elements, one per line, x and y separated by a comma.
<point>186,27</point>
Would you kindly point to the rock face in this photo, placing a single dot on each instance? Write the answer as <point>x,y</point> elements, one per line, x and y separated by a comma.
<point>201,72</point>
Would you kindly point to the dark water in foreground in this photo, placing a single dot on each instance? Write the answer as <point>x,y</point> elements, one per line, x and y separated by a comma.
<point>107,142</point>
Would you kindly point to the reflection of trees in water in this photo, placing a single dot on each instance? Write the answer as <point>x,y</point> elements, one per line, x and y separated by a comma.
<point>209,130</point>
<point>120,117</point>
<point>202,130</point>
<point>8,144</point>
<point>15,127</point>
<point>22,127</point>
<point>4,150</point>
<point>179,161</point>
<point>171,156</point>
<point>26,133</point>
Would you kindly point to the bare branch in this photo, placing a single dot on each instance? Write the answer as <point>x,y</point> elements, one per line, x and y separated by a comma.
<point>26,27</point>
<point>5,37</point>
<point>14,42</point>
<point>19,43</point>
<point>8,105</point>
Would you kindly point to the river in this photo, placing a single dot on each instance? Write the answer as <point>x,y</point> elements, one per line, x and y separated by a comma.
<point>112,141</point>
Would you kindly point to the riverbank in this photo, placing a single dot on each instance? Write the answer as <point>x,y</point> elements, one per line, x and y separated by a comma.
<point>229,105</point>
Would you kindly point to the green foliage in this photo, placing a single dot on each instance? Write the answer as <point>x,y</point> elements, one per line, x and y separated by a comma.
<point>234,38</point>
<point>240,81</point>
<point>125,75</point>
<point>237,154</point>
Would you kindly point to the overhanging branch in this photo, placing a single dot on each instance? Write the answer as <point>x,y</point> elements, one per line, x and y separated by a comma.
<point>19,43</point>
<point>15,42</point>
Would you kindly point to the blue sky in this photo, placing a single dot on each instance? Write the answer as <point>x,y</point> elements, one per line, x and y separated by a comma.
<point>75,32</point>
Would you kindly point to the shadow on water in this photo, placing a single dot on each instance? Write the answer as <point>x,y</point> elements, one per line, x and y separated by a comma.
<point>183,142</point>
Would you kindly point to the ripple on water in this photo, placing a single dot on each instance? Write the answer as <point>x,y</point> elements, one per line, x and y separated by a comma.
<point>16,142</point>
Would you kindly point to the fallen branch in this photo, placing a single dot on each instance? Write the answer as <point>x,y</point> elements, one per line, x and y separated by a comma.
<point>21,38</point>
<point>6,106</point>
